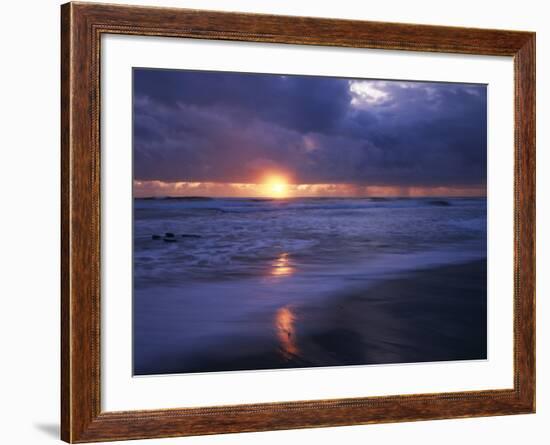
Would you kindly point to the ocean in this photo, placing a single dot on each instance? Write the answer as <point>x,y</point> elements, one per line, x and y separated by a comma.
<point>248,283</point>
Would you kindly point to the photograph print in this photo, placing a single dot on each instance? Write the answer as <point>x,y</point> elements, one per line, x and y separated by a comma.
<point>289,221</point>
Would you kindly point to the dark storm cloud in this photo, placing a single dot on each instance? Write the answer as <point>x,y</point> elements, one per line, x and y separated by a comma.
<point>300,103</point>
<point>228,127</point>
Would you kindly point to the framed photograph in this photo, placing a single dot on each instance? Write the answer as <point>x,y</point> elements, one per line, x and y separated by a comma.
<point>275,222</point>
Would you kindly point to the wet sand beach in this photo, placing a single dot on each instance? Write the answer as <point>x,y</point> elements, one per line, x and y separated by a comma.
<point>433,314</point>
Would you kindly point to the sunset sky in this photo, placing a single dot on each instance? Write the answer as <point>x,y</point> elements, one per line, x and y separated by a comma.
<point>202,133</point>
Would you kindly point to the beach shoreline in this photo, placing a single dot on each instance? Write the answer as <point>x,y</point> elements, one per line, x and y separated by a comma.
<point>427,315</point>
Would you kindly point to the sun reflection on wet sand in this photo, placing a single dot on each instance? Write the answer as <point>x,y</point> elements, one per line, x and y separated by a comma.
<point>284,323</point>
<point>281,266</point>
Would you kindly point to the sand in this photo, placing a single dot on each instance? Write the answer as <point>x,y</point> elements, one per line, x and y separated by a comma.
<point>437,314</point>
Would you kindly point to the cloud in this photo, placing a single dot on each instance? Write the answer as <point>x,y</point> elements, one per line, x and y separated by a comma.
<point>161,189</point>
<point>230,127</point>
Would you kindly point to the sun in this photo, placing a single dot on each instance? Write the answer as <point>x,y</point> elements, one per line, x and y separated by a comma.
<point>276,186</point>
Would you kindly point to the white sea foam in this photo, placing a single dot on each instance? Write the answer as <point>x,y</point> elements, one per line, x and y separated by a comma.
<point>240,237</point>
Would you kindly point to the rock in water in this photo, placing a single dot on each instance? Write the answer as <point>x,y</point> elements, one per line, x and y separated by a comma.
<point>169,235</point>
<point>440,202</point>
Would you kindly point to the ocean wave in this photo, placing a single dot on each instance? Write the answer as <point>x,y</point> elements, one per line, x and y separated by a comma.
<point>245,237</point>
<point>255,205</point>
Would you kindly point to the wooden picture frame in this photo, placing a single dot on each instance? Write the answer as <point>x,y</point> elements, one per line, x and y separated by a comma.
<point>82,25</point>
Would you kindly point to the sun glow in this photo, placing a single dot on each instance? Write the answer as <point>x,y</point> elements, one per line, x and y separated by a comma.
<point>282,266</point>
<point>286,332</point>
<point>276,187</point>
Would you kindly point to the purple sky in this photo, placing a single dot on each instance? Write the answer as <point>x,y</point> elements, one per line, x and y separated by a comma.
<point>216,127</point>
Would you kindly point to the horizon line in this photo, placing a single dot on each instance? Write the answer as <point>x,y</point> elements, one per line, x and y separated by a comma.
<point>268,198</point>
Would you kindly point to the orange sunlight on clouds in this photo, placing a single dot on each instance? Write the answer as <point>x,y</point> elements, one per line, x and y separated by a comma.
<point>276,186</point>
